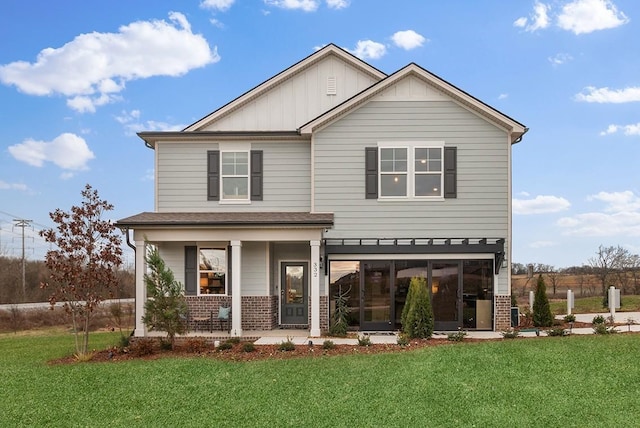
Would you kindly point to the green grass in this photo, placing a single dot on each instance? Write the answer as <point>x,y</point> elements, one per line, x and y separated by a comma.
<point>566,381</point>
<point>586,305</point>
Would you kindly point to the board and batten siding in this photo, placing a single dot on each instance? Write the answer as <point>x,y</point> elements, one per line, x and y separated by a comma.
<point>480,209</point>
<point>182,177</point>
<point>297,99</point>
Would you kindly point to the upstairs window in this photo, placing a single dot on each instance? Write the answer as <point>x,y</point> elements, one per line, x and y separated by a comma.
<point>412,171</point>
<point>235,175</point>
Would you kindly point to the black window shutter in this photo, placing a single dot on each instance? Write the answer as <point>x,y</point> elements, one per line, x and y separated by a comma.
<point>229,271</point>
<point>256,175</point>
<point>213,175</point>
<point>450,172</point>
<point>191,271</point>
<point>371,172</point>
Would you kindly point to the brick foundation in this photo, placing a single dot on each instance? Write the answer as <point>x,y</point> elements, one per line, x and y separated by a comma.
<point>258,312</point>
<point>503,313</point>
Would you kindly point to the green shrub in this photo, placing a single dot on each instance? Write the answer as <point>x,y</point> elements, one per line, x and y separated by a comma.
<point>403,340</point>
<point>340,316</point>
<point>598,319</point>
<point>542,316</point>
<point>364,340</point>
<point>511,333</point>
<point>570,318</point>
<point>417,314</point>
<point>233,340</point>
<point>602,325</point>
<point>557,332</point>
<point>225,346</point>
<point>458,336</point>
<point>248,347</point>
<point>328,344</point>
<point>287,345</point>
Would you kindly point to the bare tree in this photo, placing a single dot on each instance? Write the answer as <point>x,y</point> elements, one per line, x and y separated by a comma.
<point>82,268</point>
<point>554,276</point>
<point>604,264</point>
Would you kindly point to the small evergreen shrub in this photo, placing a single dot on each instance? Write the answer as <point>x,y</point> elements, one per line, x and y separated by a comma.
<point>542,316</point>
<point>224,346</point>
<point>557,332</point>
<point>602,325</point>
<point>569,318</point>
<point>328,344</point>
<point>340,316</point>
<point>364,340</point>
<point>233,340</point>
<point>417,314</point>
<point>458,336</point>
<point>248,347</point>
<point>403,340</point>
<point>598,319</point>
<point>287,345</point>
<point>511,333</point>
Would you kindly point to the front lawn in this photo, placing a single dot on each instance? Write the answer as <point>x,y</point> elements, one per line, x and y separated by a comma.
<point>558,381</point>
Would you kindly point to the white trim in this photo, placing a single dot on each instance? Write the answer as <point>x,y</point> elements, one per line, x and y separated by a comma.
<point>141,288</point>
<point>236,292</point>
<point>314,283</point>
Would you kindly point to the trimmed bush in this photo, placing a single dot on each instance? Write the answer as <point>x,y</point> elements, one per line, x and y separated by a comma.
<point>542,316</point>
<point>417,315</point>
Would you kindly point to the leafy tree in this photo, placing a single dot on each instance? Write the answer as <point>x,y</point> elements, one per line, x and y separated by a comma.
<point>166,308</point>
<point>417,314</point>
<point>542,316</point>
<point>83,267</point>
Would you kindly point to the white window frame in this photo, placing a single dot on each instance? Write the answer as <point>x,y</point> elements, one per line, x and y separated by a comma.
<point>411,174</point>
<point>235,148</point>
<point>212,273</point>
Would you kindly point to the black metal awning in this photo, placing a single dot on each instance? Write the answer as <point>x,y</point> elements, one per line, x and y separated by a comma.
<point>417,246</point>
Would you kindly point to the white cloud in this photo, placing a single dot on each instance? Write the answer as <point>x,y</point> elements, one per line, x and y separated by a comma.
<point>539,19</point>
<point>632,129</point>
<point>337,4</point>
<point>586,16</point>
<point>503,96</point>
<point>13,186</point>
<point>408,39</point>
<point>221,5</point>
<point>559,59</point>
<point>305,5</point>
<point>620,217</point>
<point>149,175</point>
<point>368,49</point>
<point>541,204</point>
<point>132,123</point>
<point>67,151</point>
<point>94,67</point>
<point>592,94</point>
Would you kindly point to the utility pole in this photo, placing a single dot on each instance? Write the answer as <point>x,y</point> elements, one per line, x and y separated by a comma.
<point>23,223</point>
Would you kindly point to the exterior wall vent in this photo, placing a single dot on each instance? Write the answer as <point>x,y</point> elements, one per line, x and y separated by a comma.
<point>331,85</point>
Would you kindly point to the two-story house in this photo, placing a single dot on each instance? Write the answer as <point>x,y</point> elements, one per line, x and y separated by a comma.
<point>330,178</point>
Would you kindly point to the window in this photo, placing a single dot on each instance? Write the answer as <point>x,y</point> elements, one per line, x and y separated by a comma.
<point>212,267</point>
<point>413,171</point>
<point>235,175</point>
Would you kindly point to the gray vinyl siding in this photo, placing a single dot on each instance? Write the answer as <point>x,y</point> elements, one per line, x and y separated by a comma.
<point>173,256</point>
<point>254,269</point>
<point>480,209</point>
<point>182,177</point>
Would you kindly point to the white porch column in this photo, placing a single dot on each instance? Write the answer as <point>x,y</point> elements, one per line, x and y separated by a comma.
<point>236,296</point>
<point>141,289</point>
<point>315,289</point>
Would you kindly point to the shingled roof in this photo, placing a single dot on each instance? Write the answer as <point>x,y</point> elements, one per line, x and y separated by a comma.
<point>226,219</point>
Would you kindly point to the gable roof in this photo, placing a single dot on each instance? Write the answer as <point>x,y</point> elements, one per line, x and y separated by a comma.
<point>515,128</point>
<point>330,49</point>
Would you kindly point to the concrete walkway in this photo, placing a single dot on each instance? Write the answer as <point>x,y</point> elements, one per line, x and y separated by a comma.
<point>299,337</point>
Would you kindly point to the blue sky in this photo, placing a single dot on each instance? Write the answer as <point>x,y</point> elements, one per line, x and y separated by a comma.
<point>78,79</point>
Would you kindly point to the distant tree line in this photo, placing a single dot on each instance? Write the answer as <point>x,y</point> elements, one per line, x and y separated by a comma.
<point>611,266</point>
<point>36,273</point>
